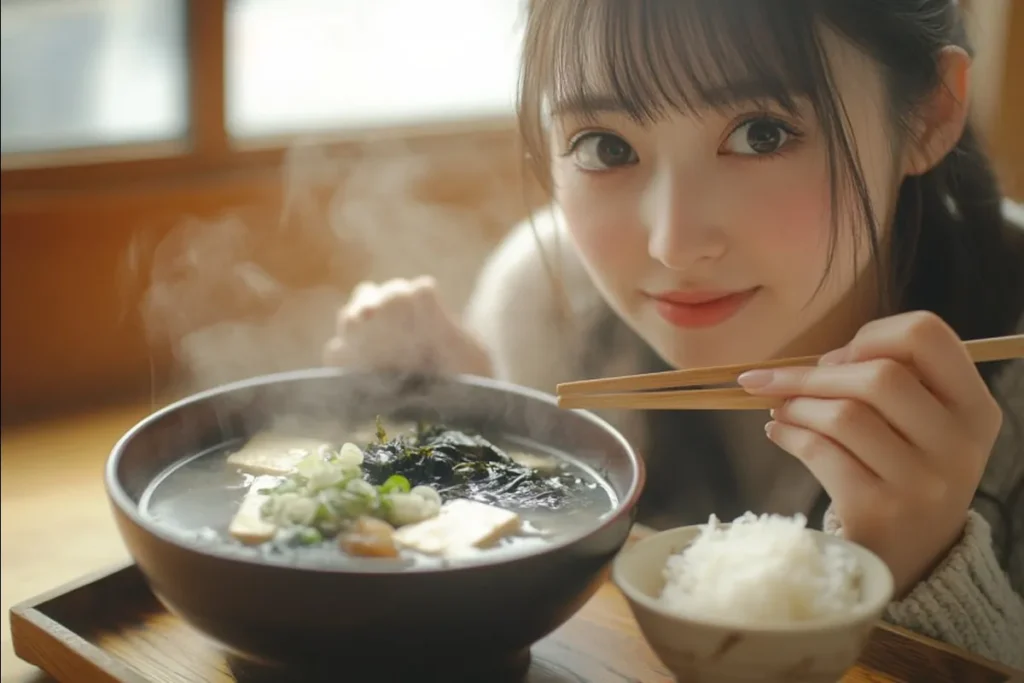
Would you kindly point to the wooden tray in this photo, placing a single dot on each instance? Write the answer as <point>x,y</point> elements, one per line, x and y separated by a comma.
<point>109,628</point>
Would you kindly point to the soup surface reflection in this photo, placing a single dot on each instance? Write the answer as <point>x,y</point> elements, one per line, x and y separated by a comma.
<point>383,495</point>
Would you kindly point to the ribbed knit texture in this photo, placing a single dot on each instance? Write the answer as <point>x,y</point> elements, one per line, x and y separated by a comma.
<point>967,601</point>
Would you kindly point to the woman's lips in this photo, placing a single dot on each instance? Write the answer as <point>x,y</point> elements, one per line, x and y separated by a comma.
<point>700,308</point>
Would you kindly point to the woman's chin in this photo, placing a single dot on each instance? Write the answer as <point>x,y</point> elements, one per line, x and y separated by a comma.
<point>702,351</point>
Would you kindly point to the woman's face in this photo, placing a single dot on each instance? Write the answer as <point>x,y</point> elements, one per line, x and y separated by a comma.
<point>710,234</point>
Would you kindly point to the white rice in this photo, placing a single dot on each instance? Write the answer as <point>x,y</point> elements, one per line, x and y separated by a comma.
<point>760,571</point>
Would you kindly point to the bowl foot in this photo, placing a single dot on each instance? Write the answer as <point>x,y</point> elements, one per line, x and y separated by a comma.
<point>390,667</point>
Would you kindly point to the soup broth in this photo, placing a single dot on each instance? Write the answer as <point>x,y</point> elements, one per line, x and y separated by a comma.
<point>511,496</point>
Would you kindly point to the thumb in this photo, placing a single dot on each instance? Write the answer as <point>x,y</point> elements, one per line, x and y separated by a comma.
<point>336,352</point>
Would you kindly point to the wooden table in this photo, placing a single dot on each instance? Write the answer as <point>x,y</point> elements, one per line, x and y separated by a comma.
<point>52,473</point>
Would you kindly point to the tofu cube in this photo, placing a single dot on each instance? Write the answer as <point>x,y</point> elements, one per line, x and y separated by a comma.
<point>461,524</point>
<point>270,453</point>
<point>248,525</point>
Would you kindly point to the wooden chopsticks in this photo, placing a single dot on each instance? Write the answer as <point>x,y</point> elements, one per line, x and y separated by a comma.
<point>632,392</point>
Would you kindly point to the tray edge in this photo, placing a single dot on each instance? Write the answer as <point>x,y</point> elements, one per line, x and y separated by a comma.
<point>30,624</point>
<point>1012,675</point>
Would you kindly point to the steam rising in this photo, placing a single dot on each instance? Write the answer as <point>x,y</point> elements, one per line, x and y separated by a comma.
<point>245,293</point>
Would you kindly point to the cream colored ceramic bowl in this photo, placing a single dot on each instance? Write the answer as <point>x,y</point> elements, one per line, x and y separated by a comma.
<point>700,649</point>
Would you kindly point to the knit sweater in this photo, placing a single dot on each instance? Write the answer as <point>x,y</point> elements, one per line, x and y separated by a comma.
<point>970,600</point>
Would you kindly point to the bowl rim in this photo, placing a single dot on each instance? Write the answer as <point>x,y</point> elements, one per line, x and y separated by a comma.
<point>124,504</point>
<point>863,611</point>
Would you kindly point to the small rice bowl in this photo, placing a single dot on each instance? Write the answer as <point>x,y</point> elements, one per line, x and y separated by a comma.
<point>761,571</point>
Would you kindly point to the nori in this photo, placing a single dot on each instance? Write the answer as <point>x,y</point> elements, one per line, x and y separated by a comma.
<point>462,464</point>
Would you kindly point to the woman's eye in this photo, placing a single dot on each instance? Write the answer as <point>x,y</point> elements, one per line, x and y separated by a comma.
<point>602,151</point>
<point>758,137</point>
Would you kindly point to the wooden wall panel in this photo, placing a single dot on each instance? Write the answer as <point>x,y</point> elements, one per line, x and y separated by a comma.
<point>70,324</point>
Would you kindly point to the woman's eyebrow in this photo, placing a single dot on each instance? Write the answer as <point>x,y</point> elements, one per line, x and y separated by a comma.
<point>714,97</point>
<point>588,104</point>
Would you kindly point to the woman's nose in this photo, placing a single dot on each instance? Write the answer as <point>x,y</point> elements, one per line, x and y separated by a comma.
<point>681,221</point>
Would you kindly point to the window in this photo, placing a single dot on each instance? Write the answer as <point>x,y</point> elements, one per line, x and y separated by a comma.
<point>295,65</point>
<point>101,89</point>
<point>87,73</point>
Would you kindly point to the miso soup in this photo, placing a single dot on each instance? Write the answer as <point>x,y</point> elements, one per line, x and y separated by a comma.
<point>389,495</point>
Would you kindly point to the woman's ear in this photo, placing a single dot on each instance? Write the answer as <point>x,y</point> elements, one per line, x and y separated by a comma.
<point>940,119</point>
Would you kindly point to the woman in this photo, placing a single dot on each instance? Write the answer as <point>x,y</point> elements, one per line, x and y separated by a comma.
<point>736,181</point>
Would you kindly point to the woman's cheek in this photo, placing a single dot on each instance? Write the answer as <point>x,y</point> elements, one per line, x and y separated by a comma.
<point>790,207</point>
<point>597,222</point>
<point>798,249</point>
<point>803,227</point>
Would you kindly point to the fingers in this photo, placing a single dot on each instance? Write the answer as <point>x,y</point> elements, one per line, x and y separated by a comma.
<point>843,476</point>
<point>859,431</point>
<point>334,352</point>
<point>363,293</point>
<point>924,342</point>
<point>401,296</point>
<point>886,386</point>
<point>400,323</point>
<point>897,426</point>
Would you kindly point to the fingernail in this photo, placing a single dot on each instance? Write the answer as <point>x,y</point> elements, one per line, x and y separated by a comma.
<point>768,429</point>
<point>834,357</point>
<point>755,379</point>
<point>771,413</point>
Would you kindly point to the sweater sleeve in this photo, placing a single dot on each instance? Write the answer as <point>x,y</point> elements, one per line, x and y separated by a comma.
<point>967,601</point>
<point>534,309</point>
<point>514,309</point>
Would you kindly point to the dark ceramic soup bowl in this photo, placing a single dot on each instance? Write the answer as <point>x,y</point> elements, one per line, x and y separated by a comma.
<point>467,621</point>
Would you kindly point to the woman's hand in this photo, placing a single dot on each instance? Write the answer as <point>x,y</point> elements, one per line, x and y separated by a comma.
<point>898,427</point>
<point>403,325</point>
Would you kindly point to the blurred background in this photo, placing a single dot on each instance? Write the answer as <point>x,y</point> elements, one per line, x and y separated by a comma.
<point>191,187</point>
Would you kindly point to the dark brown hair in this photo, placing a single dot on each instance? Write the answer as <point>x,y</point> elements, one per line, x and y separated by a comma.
<point>951,251</point>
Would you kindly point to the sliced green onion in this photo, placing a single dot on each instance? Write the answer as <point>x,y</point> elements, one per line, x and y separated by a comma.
<point>350,456</point>
<point>396,483</point>
<point>407,509</point>
<point>309,536</point>
<point>361,487</point>
<point>329,476</point>
<point>286,486</point>
<point>324,513</point>
<point>310,464</point>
